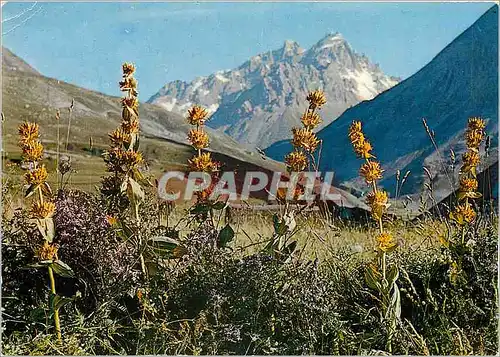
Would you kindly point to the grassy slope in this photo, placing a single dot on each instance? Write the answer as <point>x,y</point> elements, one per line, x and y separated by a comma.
<point>27,95</point>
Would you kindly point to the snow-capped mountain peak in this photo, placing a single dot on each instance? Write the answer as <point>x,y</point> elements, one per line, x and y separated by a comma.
<point>290,49</point>
<point>259,102</point>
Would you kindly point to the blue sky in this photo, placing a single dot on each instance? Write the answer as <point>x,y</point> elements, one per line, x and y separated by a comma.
<point>85,43</point>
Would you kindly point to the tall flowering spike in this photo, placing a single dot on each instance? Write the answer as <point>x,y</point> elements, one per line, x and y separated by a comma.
<point>304,141</point>
<point>123,158</point>
<point>474,135</point>
<point>42,209</point>
<point>371,171</point>
<point>378,199</point>
<point>316,99</point>
<point>130,112</point>
<point>202,161</point>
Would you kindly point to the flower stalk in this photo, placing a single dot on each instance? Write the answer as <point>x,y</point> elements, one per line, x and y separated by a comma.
<point>464,214</point>
<point>202,161</point>
<point>124,159</point>
<point>304,141</point>
<point>381,277</point>
<point>42,210</point>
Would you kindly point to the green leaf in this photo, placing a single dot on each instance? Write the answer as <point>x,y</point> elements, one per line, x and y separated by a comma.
<point>46,228</point>
<point>226,235</point>
<point>219,205</point>
<point>392,274</point>
<point>136,143</point>
<point>200,208</point>
<point>123,186</point>
<point>163,242</point>
<point>287,252</point>
<point>396,301</point>
<point>372,279</point>
<point>62,269</point>
<point>59,301</point>
<point>280,227</point>
<point>167,247</point>
<point>134,190</point>
<point>46,189</point>
<point>31,190</point>
<point>124,231</point>
<point>42,264</point>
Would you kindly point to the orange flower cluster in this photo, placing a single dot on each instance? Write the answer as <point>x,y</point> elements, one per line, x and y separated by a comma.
<point>316,99</point>
<point>47,251</point>
<point>29,143</point>
<point>371,171</point>
<point>296,161</point>
<point>198,138</point>
<point>361,145</point>
<point>36,178</point>
<point>123,158</point>
<point>123,162</point>
<point>386,243</point>
<point>127,134</point>
<point>310,120</point>
<point>378,202</point>
<point>305,139</point>
<point>197,115</point>
<point>474,135</point>
<point>202,163</point>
